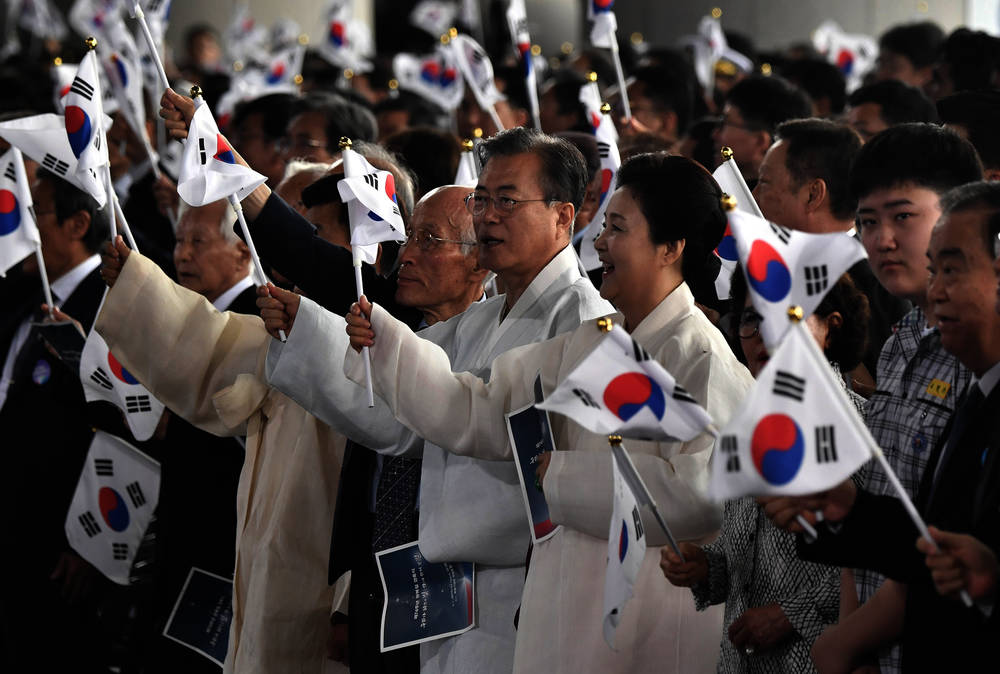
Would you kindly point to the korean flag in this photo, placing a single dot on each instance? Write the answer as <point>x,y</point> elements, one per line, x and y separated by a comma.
<point>370,195</point>
<point>84,117</point>
<point>18,232</point>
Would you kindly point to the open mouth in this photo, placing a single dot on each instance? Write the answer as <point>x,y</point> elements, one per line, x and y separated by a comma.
<point>608,268</point>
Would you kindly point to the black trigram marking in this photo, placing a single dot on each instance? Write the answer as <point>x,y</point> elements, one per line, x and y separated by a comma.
<point>154,6</point>
<point>788,385</point>
<point>826,445</point>
<point>9,173</point>
<point>682,395</point>
<point>730,451</point>
<point>135,404</point>
<point>201,151</point>
<point>89,524</point>
<point>603,149</point>
<point>780,232</point>
<point>520,27</point>
<point>119,551</point>
<point>637,521</point>
<point>372,180</point>
<point>55,165</point>
<point>104,467</point>
<point>639,353</point>
<point>97,141</point>
<point>478,56</point>
<point>135,493</point>
<point>82,88</point>
<point>817,279</point>
<point>101,378</point>
<point>585,398</point>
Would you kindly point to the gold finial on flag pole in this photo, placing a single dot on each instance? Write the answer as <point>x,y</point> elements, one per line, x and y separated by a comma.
<point>795,313</point>
<point>605,108</point>
<point>453,32</point>
<point>345,142</point>
<point>728,202</point>
<point>303,39</point>
<point>716,13</point>
<point>468,145</point>
<point>196,91</point>
<point>393,84</point>
<point>614,440</point>
<point>297,80</point>
<point>57,61</point>
<point>477,132</point>
<point>605,324</point>
<point>348,74</point>
<point>91,42</point>
<point>727,153</point>
<point>591,76</point>
<point>445,38</point>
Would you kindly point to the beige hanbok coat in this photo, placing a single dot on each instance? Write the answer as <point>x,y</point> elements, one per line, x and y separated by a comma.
<point>207,367</point>
<point>561,607</point>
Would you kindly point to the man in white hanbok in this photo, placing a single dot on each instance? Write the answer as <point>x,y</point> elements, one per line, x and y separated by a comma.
<point>470,510</point>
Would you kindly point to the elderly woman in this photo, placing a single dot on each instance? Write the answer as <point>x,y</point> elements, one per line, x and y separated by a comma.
<point>776,604</point>
<point>662,223</point>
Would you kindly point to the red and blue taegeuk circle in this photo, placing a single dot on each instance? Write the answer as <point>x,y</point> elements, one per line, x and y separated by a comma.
<point>79,128</point>
<point>336,35</point>
<point>727,247</point>
<point>119,371</point>
<point>223,152</point>
<point>113,509</point>
<point>778,448</point>
<point>767,272</point>
<point>10,212</point>
<point>627,394</point>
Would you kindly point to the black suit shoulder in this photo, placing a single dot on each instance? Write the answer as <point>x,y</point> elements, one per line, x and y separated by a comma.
<point>245,302</point>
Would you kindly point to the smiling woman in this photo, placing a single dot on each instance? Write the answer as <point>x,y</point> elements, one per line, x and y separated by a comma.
<point>664,220</point>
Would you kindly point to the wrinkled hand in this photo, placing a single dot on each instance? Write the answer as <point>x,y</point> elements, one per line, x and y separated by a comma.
<point>113,256</point>
<point>278,308</point>
<point>963,563</point>
<point>359,328</point>
<point>688,573</point>
<point>760,628</point>
<point>176,111</point>
<point>75,576</point>
<point>834,504</point>
<point>165,194</point>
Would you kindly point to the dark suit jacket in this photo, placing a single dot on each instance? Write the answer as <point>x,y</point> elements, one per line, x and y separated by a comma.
<point>939,634</point>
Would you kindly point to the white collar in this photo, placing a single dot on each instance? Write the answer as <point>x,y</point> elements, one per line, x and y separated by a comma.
<point>223,301</point>
<point>65,285</point>
<point>989,380</point>
<point>564,261</point>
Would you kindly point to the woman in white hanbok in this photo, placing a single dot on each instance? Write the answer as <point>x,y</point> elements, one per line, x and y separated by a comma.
<point>662,224</point>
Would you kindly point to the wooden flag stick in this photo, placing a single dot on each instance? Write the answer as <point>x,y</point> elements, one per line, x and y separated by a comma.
<point>622,89</point>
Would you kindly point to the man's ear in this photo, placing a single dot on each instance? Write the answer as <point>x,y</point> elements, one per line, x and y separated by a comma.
<point>668,125</point>
<point>816,195</point>
<point>762,140</point>
<point>77,225</point>
<point>567,213</point>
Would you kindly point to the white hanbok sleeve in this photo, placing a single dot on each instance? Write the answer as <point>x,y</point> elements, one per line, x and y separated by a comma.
<point>308,369</point>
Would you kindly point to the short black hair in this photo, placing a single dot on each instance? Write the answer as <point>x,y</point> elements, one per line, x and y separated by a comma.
<point>514,87</point>
<point>421,111</point>
<point>564,171</point>
<point>818,78</point>
<point>669,87</point>
<point>765,102</point>
<point>983,194</point>
<point>972,59</point>
<point>680,200</point>
<point>917,42</point>
<point>431,154</point>
<point>565,86</point>
<point>275,112</point>
<point>70,200</point>
<point>343,118</point>
<point>587,145</point>
<point>819,148</point>
<point>977,112</point>
<point>899,102</point>
<point>923,154</point>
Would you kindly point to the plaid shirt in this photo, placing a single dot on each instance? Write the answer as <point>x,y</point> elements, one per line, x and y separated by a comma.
<point>918,385</point>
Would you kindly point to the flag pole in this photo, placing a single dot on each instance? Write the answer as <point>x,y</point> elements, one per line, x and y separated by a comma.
<point>22,180</point>
<point>622,89</point>
<point>795,316</point>
<point>345,147</point>
<point>730,162</point>
<point>464,67</point>
<point>140,16</point>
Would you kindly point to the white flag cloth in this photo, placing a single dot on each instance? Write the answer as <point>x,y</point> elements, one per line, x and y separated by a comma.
<point>602,13</point>
<point>619,389</point>
<point>347,42</point>
<point>517,21</point>
<point>40,18</point>
<point>62,77</point>
<point>467,175</point>
<point>124,74</point>
<point>786,268</point>
<point>434,16</point>
<point>93,17</point>
<point>43,138</point>
<point>710,47</point>
<point>104,378</point>
<point>477,70</point>
<point>626,550</point>
<point>732,183</point>
<point>435,77</point>
<point>18,231</point>
<point>611,161</point>
<point>209,171</point>
<point>112,505</point>
<point>854,54</point>
<point>590,97</point>
<point>243,38</point>
<point>370,195</point>
<point>84,117</point>
<point>796,433</point>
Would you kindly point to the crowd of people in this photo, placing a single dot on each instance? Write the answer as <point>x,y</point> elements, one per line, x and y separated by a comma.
<point>277,474</point>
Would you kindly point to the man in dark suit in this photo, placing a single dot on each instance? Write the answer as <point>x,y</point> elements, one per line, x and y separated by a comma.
<point>960,490</point>
<point>199,472</point>
<point>48,595</point>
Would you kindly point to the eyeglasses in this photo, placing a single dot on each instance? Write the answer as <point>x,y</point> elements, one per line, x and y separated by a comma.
<point>426,241</point>
<point>477,203</point>
<point>299,143</point>
<point>749,324</point>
